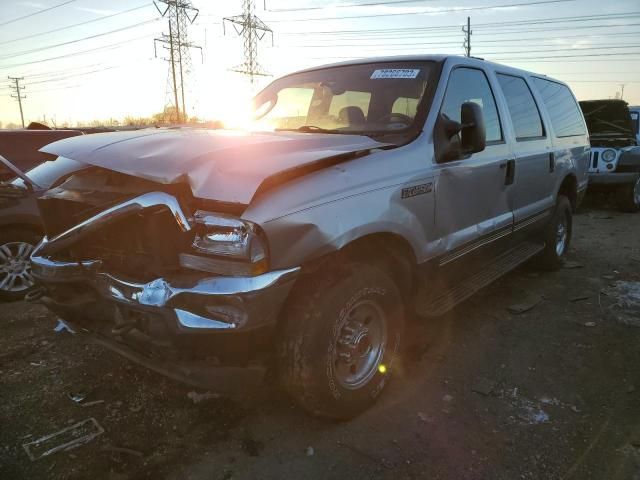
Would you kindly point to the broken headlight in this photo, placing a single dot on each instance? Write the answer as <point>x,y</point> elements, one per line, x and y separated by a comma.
<point>231,246</point>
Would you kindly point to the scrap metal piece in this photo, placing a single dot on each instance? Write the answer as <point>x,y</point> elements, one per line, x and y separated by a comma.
<point>65,439</point>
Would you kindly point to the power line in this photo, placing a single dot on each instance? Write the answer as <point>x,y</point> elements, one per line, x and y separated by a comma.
<point>71,42</point>
<point>428,12</point>
<point>571,19</point>
<point>106,17</point>
<point>73,54</point>
<point>563,50</point>
<point>37,13</point>
<point>554,29</point>
<point>353,5</point>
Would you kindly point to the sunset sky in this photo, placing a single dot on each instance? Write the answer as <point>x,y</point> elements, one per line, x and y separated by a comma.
<point>591,44</point>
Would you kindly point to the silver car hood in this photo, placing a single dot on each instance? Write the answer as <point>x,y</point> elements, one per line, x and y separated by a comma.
<point>220,165</point>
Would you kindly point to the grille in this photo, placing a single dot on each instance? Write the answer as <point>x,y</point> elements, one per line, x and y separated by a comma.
<point>594,160</point>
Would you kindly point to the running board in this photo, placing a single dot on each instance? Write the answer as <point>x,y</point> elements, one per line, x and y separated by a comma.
<point>430,305</point>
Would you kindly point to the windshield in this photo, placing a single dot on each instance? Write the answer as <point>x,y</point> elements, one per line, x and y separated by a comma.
<point>354,99</point>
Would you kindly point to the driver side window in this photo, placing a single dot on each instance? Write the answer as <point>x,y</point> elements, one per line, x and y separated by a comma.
<point>471,85</point>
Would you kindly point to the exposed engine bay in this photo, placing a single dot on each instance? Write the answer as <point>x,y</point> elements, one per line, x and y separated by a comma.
<point>612,142</point>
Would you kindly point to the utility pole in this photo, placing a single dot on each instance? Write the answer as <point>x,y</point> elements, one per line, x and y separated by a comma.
<point>622,85</point>
<point>467,37</point>
<point>181,14</point>
<point>252,30</point>
<point>18,95</point>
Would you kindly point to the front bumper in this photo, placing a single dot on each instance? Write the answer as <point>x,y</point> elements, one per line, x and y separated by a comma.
<point>195,305</point>
<point>188,325</point>
<point>613,179</point>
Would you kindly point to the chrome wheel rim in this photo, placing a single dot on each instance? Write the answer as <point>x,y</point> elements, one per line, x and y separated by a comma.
<point>561,236</point>
<point>360,344</point>
<point>15,267</point>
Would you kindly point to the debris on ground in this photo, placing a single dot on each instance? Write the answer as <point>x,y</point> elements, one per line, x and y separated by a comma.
<point>571,265</point>
<point>531,413</point>
<point>201,397</point>
<point>63,440</point>
<point>310,452</point>
<point>76,397</point>
<point>526,306</point>
<point>590,324</point>
<point>484,386</point>
<point>626,309</point>
<point>91,404</point>
<point>447,398</point>
<point>128,451</point>
<point>579,298</point>
<point>62,326</point>
<point>425,418</point>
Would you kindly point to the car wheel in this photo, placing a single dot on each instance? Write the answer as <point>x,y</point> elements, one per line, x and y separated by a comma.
<point>340,339</point>
<point>557,236</point>
<point>628,197</point>
<point>16,245</point>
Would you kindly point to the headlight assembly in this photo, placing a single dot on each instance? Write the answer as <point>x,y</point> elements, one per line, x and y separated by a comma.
<point>608,156</point>
<point>226,246</point>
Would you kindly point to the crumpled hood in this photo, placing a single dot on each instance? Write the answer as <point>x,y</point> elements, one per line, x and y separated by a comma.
<point>221,165</point>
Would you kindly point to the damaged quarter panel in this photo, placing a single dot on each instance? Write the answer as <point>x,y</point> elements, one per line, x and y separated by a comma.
<point>387,191</point>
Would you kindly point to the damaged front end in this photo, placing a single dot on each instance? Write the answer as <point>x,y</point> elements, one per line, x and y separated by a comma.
<point>177,285</point>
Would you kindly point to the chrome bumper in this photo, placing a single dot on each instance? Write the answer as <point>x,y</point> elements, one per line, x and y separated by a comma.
<point>230,302</point>
<point>205,304</point>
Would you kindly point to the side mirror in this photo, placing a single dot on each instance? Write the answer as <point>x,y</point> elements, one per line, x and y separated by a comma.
<point>473,136</point>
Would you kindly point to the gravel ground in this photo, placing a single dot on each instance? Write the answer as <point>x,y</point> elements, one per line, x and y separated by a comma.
<point>482,392</point>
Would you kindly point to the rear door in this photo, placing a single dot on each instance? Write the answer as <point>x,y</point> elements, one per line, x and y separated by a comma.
<point>532,195</point>
<point>472,205</point>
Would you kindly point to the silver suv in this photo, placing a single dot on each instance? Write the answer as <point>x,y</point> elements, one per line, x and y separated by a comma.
<point>302,246</point>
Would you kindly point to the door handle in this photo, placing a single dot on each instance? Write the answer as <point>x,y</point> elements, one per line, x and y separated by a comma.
<point>510,174</point>
<point>552,162</point>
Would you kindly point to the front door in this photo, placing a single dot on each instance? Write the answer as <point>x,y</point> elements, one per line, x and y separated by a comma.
<point>472,194</point>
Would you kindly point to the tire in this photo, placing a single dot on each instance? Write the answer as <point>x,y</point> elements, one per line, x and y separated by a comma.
<point>555,250</point>
<point>628,197</point>
<point>340,339</point>
<point>16,245</point>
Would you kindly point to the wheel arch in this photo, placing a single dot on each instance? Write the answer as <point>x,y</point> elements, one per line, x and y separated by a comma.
<point>389,251</point>
<point>569,188</point>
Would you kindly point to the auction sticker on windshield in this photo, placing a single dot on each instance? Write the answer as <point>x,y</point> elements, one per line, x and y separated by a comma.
<point>395,73</point>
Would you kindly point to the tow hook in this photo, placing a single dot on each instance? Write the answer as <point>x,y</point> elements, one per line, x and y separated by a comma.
<point>34,295</point>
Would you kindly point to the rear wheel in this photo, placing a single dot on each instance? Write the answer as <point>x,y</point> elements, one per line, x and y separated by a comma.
<point>16,245</point>
<point>557,236</point>
<point>628,197</point>
<point>340,339</point>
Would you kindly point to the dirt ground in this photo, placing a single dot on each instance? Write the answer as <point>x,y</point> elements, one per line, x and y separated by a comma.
<point>485,392</point>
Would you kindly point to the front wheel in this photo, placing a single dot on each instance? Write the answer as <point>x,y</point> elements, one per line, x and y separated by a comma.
<point>557,235</point>
<point>16,245</point>
<point>628,197</point>
<point>340,339</point>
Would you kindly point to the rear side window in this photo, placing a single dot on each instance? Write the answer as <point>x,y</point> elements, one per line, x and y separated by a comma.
<point>471,85</point>
<point>564,112</point>
<point>522,107</point>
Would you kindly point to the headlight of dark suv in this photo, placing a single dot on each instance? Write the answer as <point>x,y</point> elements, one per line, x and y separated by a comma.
<point>226,246</point>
